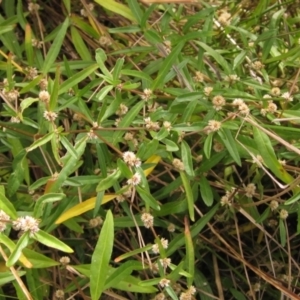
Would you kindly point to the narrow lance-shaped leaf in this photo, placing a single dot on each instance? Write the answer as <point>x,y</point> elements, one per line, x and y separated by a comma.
<point>128,119</point>
<point>190,253</point>
<point>83,207</point>
<point>69,162</point>
<point>230,144</point>
<point>51,241</point>
<point>148,198</point>
<point>117,8</point>
<point>11,246</point>
<point>108,181</point>
<point>269,157</point>
<point>195,229</point>
<point>189,195</point>
<point>206,191</point>
<point>76,78</point>
<point>101,257</point>
<point>28,45</point>
<point>47,198</point>
<point>89,204</point>
<point>17,252</point>
<point>54,91</point>
<point>56,47</point>
<point>41,141</point>
<point>6,205</point>
<point>282,231</point>
<point>101,58</point>
<point>167,65</point>
<point>186,156</point>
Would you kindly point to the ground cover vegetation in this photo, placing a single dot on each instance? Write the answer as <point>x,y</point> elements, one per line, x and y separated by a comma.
<point>149,151</point>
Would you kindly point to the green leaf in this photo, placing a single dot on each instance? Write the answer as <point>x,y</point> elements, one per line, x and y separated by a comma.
<point>146,149</point>
<point>293,199</point>
<point>55,49</point>
<point>6,205</point>
<point>46,198</point>
<point>268,154</point>
<point>186,156</point>
<point>189,195</point>
<point>239,59</point>
<point>41,141</point>
<point>117,8</point>
<point>16,253</point>
<point>69,163</point>
<point>6,277</point>
<point>136,10</point>
<point>128,119</point>
<point>76,78</point>
<point>101,59</point>
<point>171,292</point>
<point>103,92</point>
<point>39,260</point>
<point>190,255</point>
<point>207,145</point>
<point>101,257</point>
<point>80,45</point>
<point>108,181</point>
<point>51,241</point>
<point>282,233</point>
<point>137,74</point>
<point>230,144</point>
<point>169,61</point>
<point>206,191</point>
<point>121,273</point>
<point>117,69</point>
<point>179,240</point>
<point>68,146</point>
<point>217,56</point>
<point>27,102</point>
<point>237,294</point>
<point>54,90</point>
<point>148,198</point>
<point>170,145</point>
<point>124,169</point>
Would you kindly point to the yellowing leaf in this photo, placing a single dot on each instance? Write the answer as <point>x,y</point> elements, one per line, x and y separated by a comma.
<point>154,159</point>
<point>82,207</point>
<point>89,204</point>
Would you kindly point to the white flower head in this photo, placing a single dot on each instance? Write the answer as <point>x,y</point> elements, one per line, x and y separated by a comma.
<point>167,125</point>
<point>131,160</point>
<point>208,90</point>
<point>64,260</point>
<point>283,214</point>
<point>218,102</point>
<point>164,282</point>
<point>26,223</point>
<point>151,125</point>
<point>287,96</point>
<point>44,96</point>
<point>4,218</point>
<point>123,109</point>
<point>135,179</point>
<point>178,164</point>
<point>250,190</point>
<point>50,115</point>
<point>147,93</point>
<point>237,102</point>
<point>165,262</point>
<point>147,219</point>
<point>274,204</point>
<point>213,126</point>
